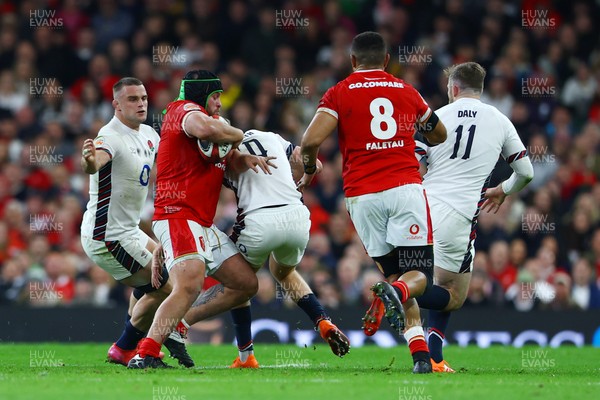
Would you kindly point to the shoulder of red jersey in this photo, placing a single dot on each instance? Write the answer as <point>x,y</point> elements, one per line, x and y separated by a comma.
<point>185,106</point>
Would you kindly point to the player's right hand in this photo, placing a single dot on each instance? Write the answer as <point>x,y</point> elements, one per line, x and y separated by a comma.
<point>88,152</point>
<point>494,197</point>
<point>304,181</point>
<point>255,162</point>
<point>158,259</point>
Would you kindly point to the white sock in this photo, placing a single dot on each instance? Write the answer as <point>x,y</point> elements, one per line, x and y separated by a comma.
<point>245,354</point>
<point>416,332</point>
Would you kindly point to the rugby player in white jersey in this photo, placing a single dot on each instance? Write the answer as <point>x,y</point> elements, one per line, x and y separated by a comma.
<point>458,173</point>
<point>272,224</point>
<point>119,161</point>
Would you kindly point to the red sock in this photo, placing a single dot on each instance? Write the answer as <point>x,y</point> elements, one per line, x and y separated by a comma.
<point>403,288</point>
<point>418,344</point>
<point>149,347</point>
<point>182,328</point>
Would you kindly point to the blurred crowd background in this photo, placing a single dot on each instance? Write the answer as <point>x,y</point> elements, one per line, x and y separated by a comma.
<point>59,60</point>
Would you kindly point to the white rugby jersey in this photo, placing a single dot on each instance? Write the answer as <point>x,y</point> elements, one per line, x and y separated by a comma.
<point>118,190</point>
<point>459,169</point>
<point>256,190</point>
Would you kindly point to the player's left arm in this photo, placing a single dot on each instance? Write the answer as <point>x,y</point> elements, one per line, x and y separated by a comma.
<point>517,157</point>
<point>322,125</point>
<point>430,130</point>
<point>298,166</point>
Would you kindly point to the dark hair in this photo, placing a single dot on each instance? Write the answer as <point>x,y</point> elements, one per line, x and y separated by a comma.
<point>127,81</point>
<point>469,75</point>
<point>198,86</point>
<point>369,48</point>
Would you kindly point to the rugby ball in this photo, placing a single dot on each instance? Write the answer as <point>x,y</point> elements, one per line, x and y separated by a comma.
<point>213,152</point>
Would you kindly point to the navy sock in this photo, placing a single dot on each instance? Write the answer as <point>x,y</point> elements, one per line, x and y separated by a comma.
<point>242,322</point>
<point>128,318</point>
<point>438,322</point>
<point>434,298</point>
<point>311,306</point>
<point>130,337</point>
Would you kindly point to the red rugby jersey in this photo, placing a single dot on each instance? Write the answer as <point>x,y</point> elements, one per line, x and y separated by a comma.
<point>376,113</point>
<point>187,187</point>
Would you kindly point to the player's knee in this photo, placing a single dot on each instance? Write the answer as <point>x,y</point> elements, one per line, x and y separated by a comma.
<point>456,301</point>
<point>246,284</point>
<point>157,293</point>
<point>280,273</point>
<point>420,259</point>
<point>250,287</point>
<point>187,284</point>
<point>189,288</point>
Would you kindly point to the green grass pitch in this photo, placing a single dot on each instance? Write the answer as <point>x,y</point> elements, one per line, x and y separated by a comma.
<point>78,371</point>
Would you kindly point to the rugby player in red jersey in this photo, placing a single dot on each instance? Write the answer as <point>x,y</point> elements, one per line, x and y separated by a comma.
<point>119,161</point>
<point>375,115</point>
<point>187,193</point>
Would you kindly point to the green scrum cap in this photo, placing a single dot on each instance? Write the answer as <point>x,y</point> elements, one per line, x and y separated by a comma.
<point>198,86</point>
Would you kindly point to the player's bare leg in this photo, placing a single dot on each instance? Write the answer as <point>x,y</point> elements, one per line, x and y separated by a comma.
<point>238,285</point>
<point>187,279</point>
<point>143,310</point>
<point>299,291</point>
<point>143,315</point>
<point>456,284</point>
<point>132,301</point>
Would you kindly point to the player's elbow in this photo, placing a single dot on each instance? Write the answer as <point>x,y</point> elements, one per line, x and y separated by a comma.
<point>527,171</point>
<point>309,143</point>
<point>439,134</point>
<point>528,177</point>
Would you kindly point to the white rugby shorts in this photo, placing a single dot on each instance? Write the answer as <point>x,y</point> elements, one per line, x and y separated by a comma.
<point>454,238</point>
<point>397,217</point>
<point>281,231</point>
<point>120,258</point>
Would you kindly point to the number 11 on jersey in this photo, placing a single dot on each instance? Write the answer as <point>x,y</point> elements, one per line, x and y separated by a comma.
<point>459,132</point>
